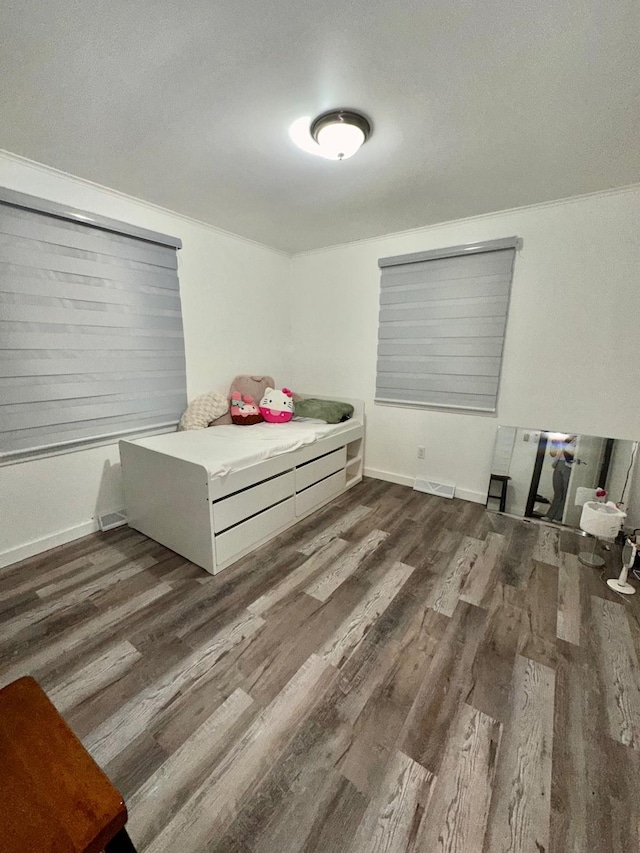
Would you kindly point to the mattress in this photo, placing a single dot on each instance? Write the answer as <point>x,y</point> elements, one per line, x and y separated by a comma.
<point>224,449</point>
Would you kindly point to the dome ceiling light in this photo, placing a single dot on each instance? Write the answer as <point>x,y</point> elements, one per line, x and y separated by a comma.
<point>336,134</point>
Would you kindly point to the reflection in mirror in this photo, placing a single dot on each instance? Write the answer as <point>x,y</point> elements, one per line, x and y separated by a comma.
<point>551,475</point>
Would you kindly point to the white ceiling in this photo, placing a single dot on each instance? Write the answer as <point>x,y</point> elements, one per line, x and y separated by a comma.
<point>477,105</point>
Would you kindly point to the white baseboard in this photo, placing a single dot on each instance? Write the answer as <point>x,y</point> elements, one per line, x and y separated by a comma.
<point>402,480</point>
<point>474,497</point>
<point>390,477</point>
<point>30,549</point>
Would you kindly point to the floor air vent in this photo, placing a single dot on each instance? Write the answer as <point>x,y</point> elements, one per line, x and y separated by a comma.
<point>111,520</point>
<point>431,487</point>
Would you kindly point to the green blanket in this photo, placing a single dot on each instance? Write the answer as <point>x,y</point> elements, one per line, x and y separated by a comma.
<point>331,411</point>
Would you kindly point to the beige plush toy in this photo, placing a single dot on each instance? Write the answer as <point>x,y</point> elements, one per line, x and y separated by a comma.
<point>203,410</point>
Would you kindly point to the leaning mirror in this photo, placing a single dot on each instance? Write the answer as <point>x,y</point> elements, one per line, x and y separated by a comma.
<point>550,475</point>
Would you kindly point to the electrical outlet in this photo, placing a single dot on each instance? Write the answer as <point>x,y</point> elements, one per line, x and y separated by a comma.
<point>420,452</point>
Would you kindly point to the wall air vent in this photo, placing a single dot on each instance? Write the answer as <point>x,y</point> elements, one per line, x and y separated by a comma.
<point>111,520</point>
<point>431,487</point>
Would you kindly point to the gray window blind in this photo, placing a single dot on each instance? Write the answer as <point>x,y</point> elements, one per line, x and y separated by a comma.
<point>442,324</point>
<point>91,340</point>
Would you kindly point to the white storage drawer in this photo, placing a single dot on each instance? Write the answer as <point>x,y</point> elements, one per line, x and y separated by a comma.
<point>250,501</point>
<point>310,473</point>
<point>250,533</point>
<point>321,492</point>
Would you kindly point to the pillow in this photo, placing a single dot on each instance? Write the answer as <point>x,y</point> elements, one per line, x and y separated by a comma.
<point>204,409</point>
<point>276,407</point>
<point>244,411</point>
<point>253,386</point>
<point>331,411</point>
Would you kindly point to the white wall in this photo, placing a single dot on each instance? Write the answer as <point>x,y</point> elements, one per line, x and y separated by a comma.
<point>225,282</point>
<point>571,351</point>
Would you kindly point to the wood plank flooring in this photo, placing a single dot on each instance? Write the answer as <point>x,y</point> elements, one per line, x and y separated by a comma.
<point>396,673</point>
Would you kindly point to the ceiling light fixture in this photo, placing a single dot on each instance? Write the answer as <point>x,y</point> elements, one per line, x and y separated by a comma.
<point>336,134</point>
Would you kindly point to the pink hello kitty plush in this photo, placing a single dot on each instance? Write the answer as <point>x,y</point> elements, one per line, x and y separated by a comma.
<point>244,411</point>
<point>276,407</point>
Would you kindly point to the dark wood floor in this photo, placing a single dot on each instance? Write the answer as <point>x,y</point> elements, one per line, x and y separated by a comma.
<point>397,673</point>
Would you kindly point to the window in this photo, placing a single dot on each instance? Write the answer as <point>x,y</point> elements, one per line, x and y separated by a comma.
<point>442,324</point>
<point>91,340</point>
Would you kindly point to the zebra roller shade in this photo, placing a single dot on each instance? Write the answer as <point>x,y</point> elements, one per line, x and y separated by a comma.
<point>91,338</point>
<point>442,324</point>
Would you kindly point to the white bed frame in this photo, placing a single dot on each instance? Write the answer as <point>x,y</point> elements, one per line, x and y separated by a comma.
<point>214,521</point>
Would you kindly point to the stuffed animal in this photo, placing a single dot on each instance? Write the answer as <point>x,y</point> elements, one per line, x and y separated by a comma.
<point>276,407</point>
<point>246,385</point>
<point>203,410</point>
<point>244,411</point>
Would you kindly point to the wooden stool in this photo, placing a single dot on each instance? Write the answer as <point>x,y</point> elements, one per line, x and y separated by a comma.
<point>54,797</point>
<point>502,481</point>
